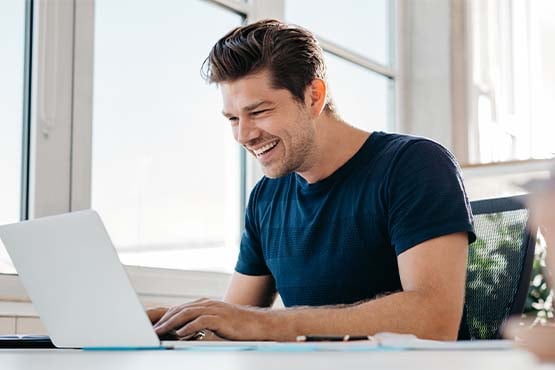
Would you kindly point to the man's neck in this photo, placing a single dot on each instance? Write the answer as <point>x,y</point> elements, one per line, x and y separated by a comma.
<point>336,143</point>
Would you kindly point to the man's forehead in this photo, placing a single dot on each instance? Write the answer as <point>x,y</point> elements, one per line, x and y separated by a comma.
<point>248,87</point>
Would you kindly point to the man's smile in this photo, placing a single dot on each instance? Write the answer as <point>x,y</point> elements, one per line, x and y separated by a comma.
<point>259,152</point>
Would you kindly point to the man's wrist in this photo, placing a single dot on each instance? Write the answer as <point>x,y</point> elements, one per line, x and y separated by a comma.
<point>281,325</point>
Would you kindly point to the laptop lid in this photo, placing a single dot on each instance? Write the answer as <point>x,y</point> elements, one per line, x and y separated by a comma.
<point>72,273</point>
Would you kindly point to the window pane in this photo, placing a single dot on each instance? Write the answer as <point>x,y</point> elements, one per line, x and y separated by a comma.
<point>359,25</point>
<point>361,96</point>
<point>542,55</point>
<point>165,167</point>
<point>513,80</point>
<point>12,39</point>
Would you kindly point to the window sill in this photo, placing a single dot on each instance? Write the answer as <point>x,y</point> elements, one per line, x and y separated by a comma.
<point>155,287</point>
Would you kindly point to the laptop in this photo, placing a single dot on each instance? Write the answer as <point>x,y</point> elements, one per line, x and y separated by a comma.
<point>72,273</point>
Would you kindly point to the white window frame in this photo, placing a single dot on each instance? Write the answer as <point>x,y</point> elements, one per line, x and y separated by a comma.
<point>60,160</point>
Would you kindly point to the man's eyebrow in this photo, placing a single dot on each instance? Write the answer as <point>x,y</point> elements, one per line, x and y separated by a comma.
<point>255,105</point>
<point>249,107</point>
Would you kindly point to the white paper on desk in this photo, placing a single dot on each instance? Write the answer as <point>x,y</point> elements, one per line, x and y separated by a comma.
<point>411,342</point>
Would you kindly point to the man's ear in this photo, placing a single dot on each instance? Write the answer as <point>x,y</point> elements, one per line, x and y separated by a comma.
<point>315,96</point>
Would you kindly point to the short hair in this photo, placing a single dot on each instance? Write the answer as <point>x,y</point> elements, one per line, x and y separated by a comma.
<point>290,53</point>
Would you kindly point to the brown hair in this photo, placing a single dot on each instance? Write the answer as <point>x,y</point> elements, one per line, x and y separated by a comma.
<point>291,54</point>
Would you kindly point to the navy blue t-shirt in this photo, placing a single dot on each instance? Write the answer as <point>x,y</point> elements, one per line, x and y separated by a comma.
<point>336,241</point>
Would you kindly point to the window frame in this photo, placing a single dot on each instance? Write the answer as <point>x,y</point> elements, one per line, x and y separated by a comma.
<point>26,119</point>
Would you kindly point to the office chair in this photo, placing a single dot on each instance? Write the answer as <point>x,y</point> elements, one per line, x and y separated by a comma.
<point>499,266</point>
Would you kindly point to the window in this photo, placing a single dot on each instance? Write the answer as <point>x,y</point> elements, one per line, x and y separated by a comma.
<point>165,171</point>
<point>361,96</point>
<point>356,37</point>
<point>360,26</point>
<point>12,39</point>
<point>513,84</point>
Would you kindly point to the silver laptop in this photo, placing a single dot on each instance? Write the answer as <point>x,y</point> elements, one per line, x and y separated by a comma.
<point>73,275</point>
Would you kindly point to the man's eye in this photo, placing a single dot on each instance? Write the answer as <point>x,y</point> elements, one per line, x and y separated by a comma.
<point>255,113</point>
<point>233,119</point>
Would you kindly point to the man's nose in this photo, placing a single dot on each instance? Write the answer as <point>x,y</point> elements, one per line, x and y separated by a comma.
<point>246,131</point>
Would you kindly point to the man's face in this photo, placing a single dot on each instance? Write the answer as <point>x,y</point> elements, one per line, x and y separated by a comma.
<point>270,124</point>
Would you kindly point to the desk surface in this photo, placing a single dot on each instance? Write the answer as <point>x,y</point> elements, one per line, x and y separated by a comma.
<point>167,360</point>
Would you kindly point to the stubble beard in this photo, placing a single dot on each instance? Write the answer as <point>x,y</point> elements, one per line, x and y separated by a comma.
<point>299,154</point>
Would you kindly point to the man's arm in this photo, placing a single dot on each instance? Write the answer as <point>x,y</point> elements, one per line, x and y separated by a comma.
<point>430,306</point>
<point>249,290</point>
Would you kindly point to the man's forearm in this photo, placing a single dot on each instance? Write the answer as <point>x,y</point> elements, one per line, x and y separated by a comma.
<point>404,312</point>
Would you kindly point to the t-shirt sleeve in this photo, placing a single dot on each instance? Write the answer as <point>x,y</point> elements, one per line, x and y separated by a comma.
<point>426,196</point>
<point>251,259</point>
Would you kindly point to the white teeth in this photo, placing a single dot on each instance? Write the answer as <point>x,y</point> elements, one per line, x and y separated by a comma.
<point>265,148</point>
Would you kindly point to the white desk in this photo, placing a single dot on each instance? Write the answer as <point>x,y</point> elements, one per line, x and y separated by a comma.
<point>167,360</point>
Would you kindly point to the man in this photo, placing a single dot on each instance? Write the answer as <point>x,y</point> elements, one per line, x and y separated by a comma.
<point>359,233</point>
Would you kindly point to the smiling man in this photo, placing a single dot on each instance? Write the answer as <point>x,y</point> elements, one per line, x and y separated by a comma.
<point>358,232</point>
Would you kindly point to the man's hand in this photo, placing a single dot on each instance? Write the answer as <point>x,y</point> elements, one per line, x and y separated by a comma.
<point>228,321</point>
<point>155,314</point>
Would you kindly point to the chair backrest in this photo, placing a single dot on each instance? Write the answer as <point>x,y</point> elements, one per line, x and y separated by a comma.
<point>499,266</point>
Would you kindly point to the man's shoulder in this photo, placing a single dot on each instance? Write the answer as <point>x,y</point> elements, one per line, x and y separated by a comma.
<point>405,156</point>
<point>401,146</point>
<point>400,141</point>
